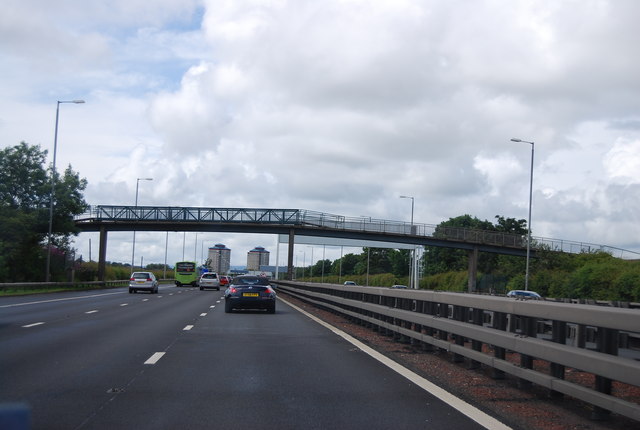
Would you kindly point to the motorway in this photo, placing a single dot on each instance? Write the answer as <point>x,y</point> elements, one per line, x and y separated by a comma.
<point>107,359</point>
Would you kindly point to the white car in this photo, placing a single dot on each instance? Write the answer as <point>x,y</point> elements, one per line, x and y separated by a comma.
<point>145,281</point>
<point>209,280</point>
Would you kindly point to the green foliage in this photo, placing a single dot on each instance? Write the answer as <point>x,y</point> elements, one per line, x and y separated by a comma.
<point>440,260</point>
<point>448,281</point>
<point>553,274</point>
<point>345,265</point>
<point>25,188</point>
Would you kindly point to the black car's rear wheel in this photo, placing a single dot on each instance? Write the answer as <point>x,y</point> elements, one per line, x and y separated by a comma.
<point>227,307</point>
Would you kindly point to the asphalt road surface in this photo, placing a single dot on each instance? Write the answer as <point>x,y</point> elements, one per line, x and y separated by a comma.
<point>107,359</point>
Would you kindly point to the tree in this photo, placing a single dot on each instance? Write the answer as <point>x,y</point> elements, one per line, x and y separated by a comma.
<point>349,262</point>
<point>25,187</point>
<point>321,267</point>
<point>442,260</point>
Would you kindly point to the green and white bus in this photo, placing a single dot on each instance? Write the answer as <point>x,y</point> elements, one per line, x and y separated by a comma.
<point>186,273</point>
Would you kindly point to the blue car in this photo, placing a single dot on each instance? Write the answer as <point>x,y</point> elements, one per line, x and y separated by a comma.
<point>250,292</point>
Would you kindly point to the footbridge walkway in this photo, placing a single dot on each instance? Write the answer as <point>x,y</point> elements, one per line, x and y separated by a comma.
<point>294,222</point>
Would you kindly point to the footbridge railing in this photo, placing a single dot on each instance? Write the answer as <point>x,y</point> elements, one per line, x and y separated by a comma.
<point>313,220</point>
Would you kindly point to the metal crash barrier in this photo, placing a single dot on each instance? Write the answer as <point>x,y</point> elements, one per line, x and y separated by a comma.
<point>487,330</point>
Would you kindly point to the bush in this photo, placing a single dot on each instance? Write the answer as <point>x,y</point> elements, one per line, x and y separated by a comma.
<point>449,281</point>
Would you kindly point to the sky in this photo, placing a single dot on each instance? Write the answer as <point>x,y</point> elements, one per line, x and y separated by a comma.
<point>337,106</point>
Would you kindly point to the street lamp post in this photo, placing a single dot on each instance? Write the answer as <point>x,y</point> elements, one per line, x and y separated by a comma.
<point>412,265</point>
<point>526,276</point>
<point>53,184</point>
<point>133,251</point>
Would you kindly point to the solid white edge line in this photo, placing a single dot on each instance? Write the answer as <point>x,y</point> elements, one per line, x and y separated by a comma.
<point>155,358</point>
<point>460,405</point>
<point>58,300</point>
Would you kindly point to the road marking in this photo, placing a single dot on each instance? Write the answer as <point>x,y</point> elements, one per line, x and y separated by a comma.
<point>124,304</point>
<point>204,314</point>
<point>155,358</point>
<point>212,306</point>
<point>91,312</point>
<point>58,300</point>
<point>470,411</point>
<point>145,300</point>
<point>187,328</point>
<point>32,325</point>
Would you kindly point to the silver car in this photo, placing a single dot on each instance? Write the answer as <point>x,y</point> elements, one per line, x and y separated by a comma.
<point>524,295</point>
<point>209,280</point>
<point>145,281</point>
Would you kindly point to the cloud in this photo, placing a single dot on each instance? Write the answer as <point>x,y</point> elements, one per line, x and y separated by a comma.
<point>340,106</point>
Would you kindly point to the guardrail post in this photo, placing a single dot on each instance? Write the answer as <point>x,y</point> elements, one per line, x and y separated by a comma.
<point>418,308</point>
<point>499,323</point>
<point>476,345</point>
<point>607,343</point>
<point>529,326</point>
<point>558,335</point>
<point>459,315</point>
<point>443,312</point>
<point>429,308</point>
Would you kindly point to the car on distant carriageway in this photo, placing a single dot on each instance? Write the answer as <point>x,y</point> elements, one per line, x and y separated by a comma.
<point>143,281</point>
<point>398,286</point>
<point>524,295</point>
<point>250,292</point>
<point>349,283</point>
<point>209,280</point>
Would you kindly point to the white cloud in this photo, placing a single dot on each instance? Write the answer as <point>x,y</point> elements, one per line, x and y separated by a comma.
<point>622,162</point>
<point>338,106</point>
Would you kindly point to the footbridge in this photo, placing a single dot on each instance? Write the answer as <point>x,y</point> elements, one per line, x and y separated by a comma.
<point>294,222</point>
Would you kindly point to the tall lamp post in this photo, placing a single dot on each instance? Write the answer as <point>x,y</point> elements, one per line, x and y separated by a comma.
<point>526,276</point>
<point>53,185</point>
<point>412,266</point>
<point>133,252</point>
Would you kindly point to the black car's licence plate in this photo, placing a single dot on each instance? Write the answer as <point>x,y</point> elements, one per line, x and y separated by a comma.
<point>250,295</point>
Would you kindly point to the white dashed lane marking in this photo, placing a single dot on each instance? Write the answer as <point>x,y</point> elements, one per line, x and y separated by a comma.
<point>32,325</point>
<point>155,358</point>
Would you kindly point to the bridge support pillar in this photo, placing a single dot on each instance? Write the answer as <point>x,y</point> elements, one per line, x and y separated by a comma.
<point>102,254</point>
<point>473,269</point>
<point>290,267</point>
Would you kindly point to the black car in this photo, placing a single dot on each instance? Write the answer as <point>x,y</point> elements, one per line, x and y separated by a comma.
<point>250,292</point>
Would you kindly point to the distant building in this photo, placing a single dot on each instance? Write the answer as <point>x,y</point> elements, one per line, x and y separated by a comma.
<point>219,258</point>
<point>257,257</point>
